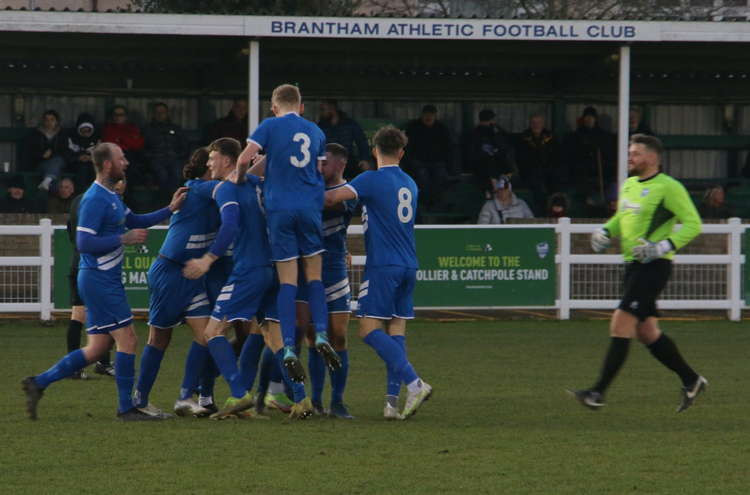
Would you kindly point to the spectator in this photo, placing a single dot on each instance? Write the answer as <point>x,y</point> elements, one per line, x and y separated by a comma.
<point>342,129</point>
<point>590,153</point>
<point>636,124</point>
<point>428,154</point>
<point>714,204</point>
<point>45,149</point>
<point>538,162</point>
<point>166,149</point>
<point>16,201</point>
<point>504,205</point>
<point>491,153</point>
<point>61,197</point>
<point>81,141</point>
<point>558,205</point>
<point>234,125</point>
<point>129,138</point>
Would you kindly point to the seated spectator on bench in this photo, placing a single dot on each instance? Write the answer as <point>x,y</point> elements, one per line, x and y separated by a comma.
<point>428,155</point>
<point>504,205</point>
<point>45,149</point>
<point>166,149</point>
<point>490,152</point>
<point>234,125</point>
<point>61,196</point>
<point>714,204</point>
<point>16,201</point>
<point>81,141</point>
<point>558,205</point>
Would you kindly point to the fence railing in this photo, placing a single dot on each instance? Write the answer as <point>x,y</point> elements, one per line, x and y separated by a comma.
<point>585,281</point>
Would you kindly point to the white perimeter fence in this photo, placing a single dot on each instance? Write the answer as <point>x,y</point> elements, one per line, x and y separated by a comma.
<point>585,281</point>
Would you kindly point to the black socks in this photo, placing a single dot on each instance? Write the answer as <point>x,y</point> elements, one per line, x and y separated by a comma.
<point>618,351</point>
<point>665,350</point>
<point>74,335</point>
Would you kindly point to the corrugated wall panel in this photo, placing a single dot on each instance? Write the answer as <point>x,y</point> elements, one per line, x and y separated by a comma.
<point>696,164</point>
<point>687,119</point>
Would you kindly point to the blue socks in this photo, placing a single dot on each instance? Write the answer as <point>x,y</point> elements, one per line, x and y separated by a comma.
<point>298,389</point>
<point>317,368</point>
<point>65,367</point>
<point>268,368</point>
<point>249,358</point>
<point>393,386</point>
<point>316,297</point>
<point>393,355</point>
<point>287,309</point>
<point>207,377</point>
<point>194,363</point>
<point>124,377</point>
<point>223,354</point>
<point>150,364</point>
<point>338,378</point>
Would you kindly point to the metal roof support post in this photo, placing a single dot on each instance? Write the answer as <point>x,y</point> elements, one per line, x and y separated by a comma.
<point>253,97</point>
<point>623,115</point>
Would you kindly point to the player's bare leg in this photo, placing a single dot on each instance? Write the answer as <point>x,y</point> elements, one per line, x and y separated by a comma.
<point>665,351</point>
<point>316,297</point>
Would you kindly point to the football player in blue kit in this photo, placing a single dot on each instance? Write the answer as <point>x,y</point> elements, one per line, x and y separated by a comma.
<point>101,235</point>
<point>174,298</point>
<point>293,199</point>
<point>251,287</point>
<point>338,293</point>
<point>389,201</point>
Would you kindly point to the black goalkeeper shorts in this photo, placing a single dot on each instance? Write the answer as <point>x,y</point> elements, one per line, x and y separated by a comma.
<point>643,284</point>
<point>75,297</point>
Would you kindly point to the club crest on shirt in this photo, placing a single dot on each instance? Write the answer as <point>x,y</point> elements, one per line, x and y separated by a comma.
<point>645,192</point>
<point>114,206</point>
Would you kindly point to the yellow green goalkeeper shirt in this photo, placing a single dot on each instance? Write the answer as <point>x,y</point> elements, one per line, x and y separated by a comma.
<point>650,209</point>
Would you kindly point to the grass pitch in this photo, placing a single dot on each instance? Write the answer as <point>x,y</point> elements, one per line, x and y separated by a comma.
<point>499,422</point>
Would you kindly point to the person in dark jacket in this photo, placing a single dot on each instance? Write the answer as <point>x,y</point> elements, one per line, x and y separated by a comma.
<point>538,162</point>
<point>636,125</point>
<point>61,196</point>
<point>490,152</point>
<point>166,150</point>
<point>45,149</point>
<point>342,129</point>
<point>429,154</point>
<point>234,125</point>
<point>590,153</point>
<point>16,200</point>
<point>714,205</point>
<point>81,141</point>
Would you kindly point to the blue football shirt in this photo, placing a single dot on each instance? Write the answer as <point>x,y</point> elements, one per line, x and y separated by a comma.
<point>335,223</point>
<point>389,203</point>
<point>102,213</point>
<point>251,247</point>
<point>293,146</point>
<point>193,227</point>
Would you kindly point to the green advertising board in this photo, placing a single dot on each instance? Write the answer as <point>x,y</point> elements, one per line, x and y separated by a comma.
<point>477,267</point>
<point>135,265</point>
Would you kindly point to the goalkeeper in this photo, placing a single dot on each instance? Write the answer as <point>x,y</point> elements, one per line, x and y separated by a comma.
<point>650,205</point>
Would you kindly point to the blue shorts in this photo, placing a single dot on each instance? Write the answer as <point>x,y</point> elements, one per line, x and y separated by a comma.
<point>295,233</point>
<point>172,297</point>
<point>386,292</point>
<point>245,294</point>
<point>107,307</point>
<point>338,292</point>
<point>217,277</point>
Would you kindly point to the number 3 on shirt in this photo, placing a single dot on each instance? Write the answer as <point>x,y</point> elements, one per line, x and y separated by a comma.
<point>304,148</point>
<point>404,209</point>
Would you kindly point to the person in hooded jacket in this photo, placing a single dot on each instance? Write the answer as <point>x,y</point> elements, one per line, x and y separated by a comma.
<point>81,141</point>
<point>45,148</point>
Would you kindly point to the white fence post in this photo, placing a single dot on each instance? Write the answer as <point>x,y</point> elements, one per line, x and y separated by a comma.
<point>563,304</point>
<point>45,269</point>
<point>734,270</point>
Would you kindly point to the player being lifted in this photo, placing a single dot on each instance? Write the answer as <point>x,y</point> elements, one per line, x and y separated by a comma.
<point>338,293</point>
<point>251,286</point>
<point>293,199</point>
<point>101,234</point>
<point>389,199</point>
<point>650,204</point>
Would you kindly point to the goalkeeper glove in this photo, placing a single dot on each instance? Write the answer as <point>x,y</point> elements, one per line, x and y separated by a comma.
<point>648,251</point>
<point>600,240</point>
